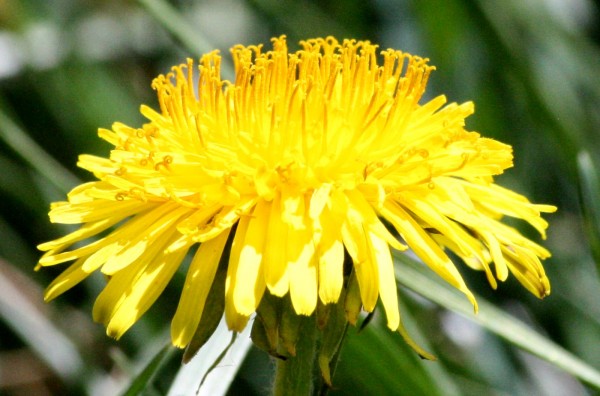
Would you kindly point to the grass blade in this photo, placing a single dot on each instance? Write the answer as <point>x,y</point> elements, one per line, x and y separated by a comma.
<point>589,185</point>
<point>34,155</point>
<point>141,382</point>
<point>413,275</point>
<point>218,381</point>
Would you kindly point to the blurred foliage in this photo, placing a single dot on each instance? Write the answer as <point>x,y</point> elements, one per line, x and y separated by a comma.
<point>532,67</point>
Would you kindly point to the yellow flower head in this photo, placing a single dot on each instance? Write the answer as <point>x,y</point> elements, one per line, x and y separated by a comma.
<point>297,163</point>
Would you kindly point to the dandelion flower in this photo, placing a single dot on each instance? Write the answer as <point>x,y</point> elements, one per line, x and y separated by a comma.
<point>306,158</point>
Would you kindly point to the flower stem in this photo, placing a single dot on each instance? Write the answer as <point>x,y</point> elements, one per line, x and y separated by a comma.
<point>296,375</point>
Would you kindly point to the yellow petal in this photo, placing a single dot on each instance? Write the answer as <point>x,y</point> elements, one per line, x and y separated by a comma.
<point>330,253</point>
<point>235,320</point>
<point>355,241</point>
<point>198,282</point>
<point>96,260</point>
<point>133,227</point>
<point>53,257</point>
<point>496,251</point>
<point>250,282</point>
<point>506,202</point>
<point>146,288</point>
<point>198,219</point>
<point>120,284</point>
<point>93,211</point>
<point>425,247</point>
<point>162,221</point>
<point>369,220</point>
<point>224,219</point>
<point>302,269</point>
<point>526,267</point>
<point>380,254</point>
<point>468,247</point>
<point>319,200</point>
<point>85,231</point>
<point>66,280</point>
<point>292,207</point>
<point>275,255</point>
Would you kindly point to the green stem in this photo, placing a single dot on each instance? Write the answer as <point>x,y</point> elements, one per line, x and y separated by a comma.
<point>170,18</point>
<point>18,140</point>
<point>183,31</point>
<point>296,375</point>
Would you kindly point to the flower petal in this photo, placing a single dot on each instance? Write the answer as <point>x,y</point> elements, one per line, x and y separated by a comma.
<point>198,281</point>
<point>141,238</point>
<point>248,292</point>
<point>330,253</point>
<point>66,280</point>
<point>275,255</point>
<point>302,268</point>
<point>145,289</point>
<point>120,284</point>
<point>355,241</point>
<point>235,320</point>
<point>425,247</point>
<point>380,254</point>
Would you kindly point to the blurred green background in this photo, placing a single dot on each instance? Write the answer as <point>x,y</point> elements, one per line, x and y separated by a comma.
<point>532,67</point>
